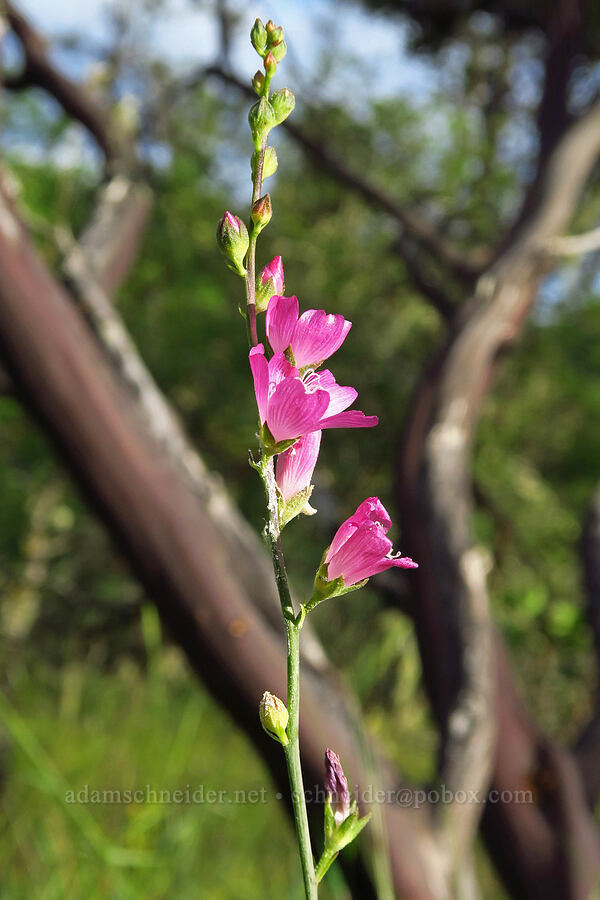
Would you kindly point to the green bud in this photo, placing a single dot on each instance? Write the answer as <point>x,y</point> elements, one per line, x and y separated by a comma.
<point>261,213</point>
<point>269,162</point>
<point>262,119</point>
<point>233,241</point>
<point>274,717</point>
<point>270,64</point>
<point>258,36</point>
<point>279,50</point>
<point>274,35</point>
<point>258,83</point>
<point>283,102</point>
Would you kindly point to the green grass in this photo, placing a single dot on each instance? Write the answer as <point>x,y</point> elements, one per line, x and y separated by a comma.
<point>124,730</point>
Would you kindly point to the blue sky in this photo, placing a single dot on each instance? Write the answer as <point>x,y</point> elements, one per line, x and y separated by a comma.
<point>185,34</point>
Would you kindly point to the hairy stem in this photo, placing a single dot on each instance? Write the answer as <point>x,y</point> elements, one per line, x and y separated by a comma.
<point>251,256</point>
<point>293,625</point>
<point>327,857</point>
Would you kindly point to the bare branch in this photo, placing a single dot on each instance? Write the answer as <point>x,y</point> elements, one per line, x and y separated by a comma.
<point>435,495</point>
<point>415,227</point>
<point>575,244</point>
<point>39,71</point>
<point>587,746</point>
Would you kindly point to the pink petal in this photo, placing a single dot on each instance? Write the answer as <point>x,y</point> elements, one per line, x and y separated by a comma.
<point>317,335</point>
<point>260,374</point>
<point>345,530</point>
<point>293,411</point>
<point>404,562</point>
<point>296,465</point>
<point>359,553</point>
<point>373,510</point>
<point>351,419</point>
<point>282,316</point>
<point>279,368</point>
<point>340,397</point>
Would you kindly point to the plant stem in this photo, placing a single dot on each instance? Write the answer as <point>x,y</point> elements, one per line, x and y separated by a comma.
<point>251,255</point>
<point>292,627</point>
<point>327,858</point>
<point>292,758</point>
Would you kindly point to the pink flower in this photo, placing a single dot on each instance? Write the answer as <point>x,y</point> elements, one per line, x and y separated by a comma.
<point>296,465</point>
<point>336,786</point>
<point>291,406</point>
<point>312,338</point>
<point>360,547</point>
<point>274,270</point>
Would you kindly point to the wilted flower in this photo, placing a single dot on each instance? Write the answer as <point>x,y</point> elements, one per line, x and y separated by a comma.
<point>312,338</point>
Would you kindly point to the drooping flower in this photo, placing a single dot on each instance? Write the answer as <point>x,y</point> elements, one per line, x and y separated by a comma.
<point>290,406</point>
<point>312,338</point>
<point>295,466</point>
<point>336,787</point>
<point>360,547</point>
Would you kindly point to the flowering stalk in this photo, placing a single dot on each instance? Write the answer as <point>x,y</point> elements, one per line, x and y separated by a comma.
<point>297,401</point>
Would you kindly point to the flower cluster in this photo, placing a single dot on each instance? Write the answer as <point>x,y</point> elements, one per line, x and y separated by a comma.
<point>297,400</point>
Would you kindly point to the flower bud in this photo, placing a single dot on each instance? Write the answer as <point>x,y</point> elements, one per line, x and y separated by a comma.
<point>269,282</point>
<point>261,213</point>
<point>269,162</point>
<point>233,241</point>
<point>258,83</point>
<point>279,50</point>
<point>336,787</point>
<point>270,26</point>
<point>283,102</point>
<point>270,64</point>
<point>274,717</point>
<point>261,118</point>
<point>258,36</point>
<point>274,35</point>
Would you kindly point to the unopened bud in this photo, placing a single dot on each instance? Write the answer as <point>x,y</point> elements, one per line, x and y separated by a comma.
<point>270,26</point>
<point>261,213</point>
<point>261,118</point>
<point>274,717</point>
<point>270,64</point>
<point>269,282</point>
<point>269,162</point>
<point>233,241</point>
<point>274,35</point>
<point>258,36</point>
<point>279,50</point>
<point>283,102</point>
<point>258,83</point>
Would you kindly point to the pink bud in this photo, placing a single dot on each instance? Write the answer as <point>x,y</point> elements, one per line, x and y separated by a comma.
<point>274,270</point>
<point>336,786</point>
<point>231,221</point>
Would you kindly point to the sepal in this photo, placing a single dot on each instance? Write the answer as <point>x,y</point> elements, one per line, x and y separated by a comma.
<point>324,589</point>
<point>296,506</point>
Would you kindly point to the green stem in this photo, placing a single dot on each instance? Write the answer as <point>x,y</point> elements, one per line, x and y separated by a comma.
<point>327,858</point>
<point>292,758</point>
<point>251,255</point>
<point>293,624</point>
